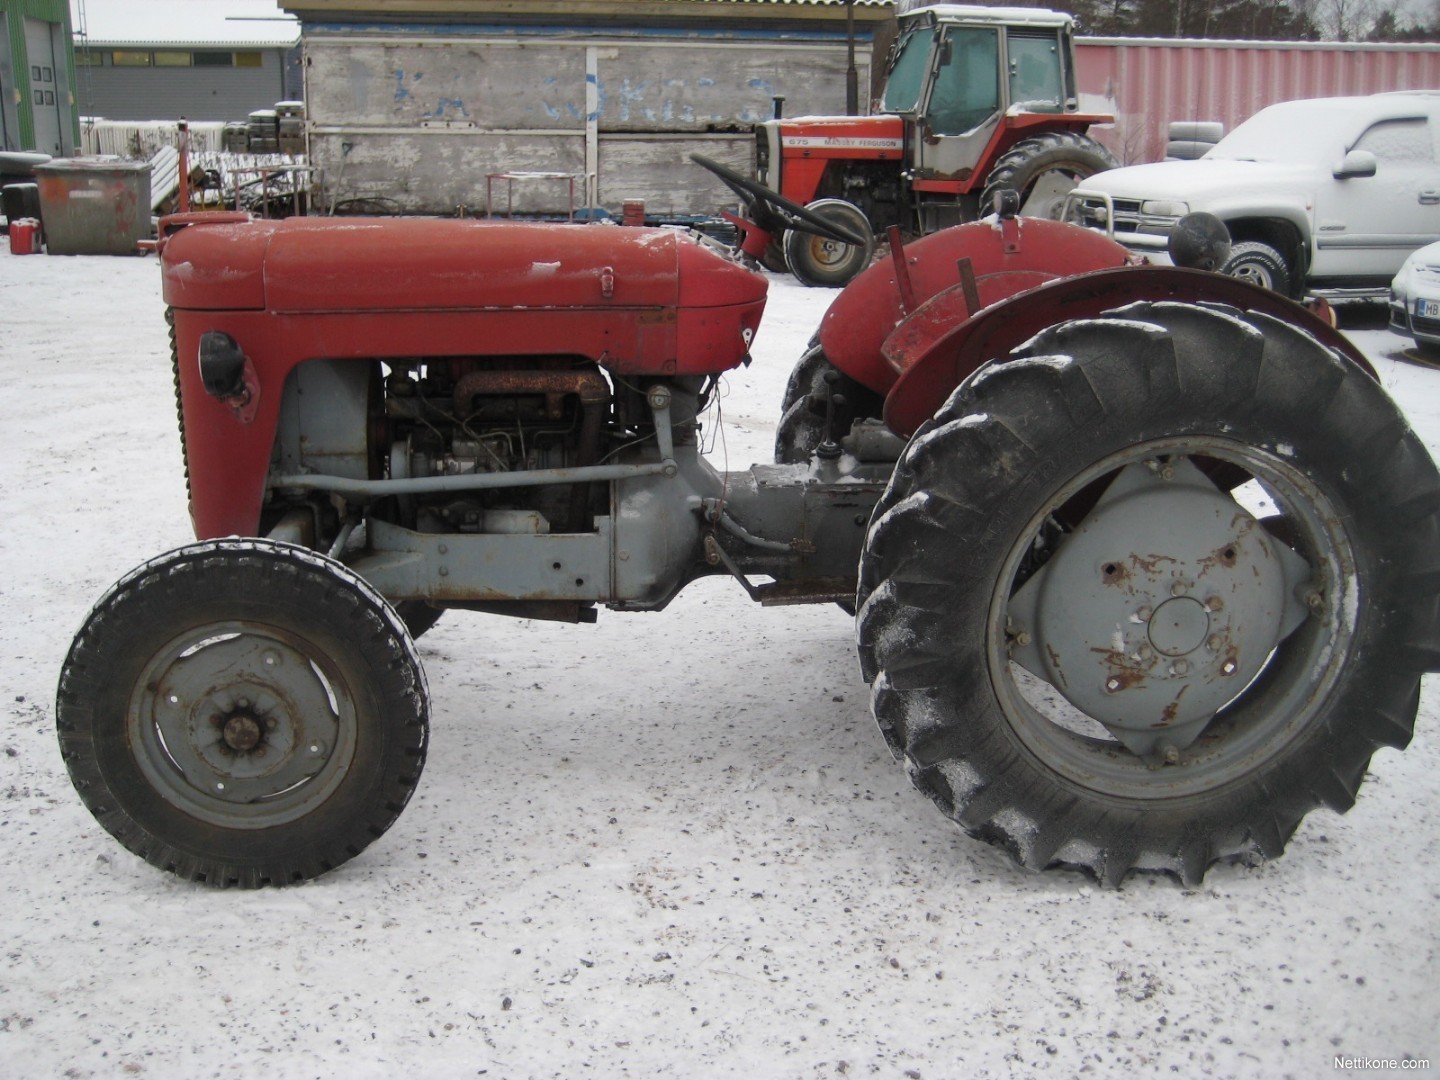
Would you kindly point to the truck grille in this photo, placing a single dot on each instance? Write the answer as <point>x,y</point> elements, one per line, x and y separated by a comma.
<point>1128,218</point>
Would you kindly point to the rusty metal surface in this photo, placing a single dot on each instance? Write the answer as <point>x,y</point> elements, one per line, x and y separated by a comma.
<point>303,289</point>
<point>587,384</point>
<point>854,330</point>
<point>954,356</point>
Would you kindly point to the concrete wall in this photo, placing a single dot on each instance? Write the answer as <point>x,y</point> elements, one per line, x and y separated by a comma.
<point>420,117</point>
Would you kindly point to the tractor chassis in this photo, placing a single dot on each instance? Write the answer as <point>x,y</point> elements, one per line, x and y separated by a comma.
<point>673,519</point>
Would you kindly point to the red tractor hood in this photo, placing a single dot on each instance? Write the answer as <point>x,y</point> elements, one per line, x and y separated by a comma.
<point>399,264</point>
<point>823,136</point>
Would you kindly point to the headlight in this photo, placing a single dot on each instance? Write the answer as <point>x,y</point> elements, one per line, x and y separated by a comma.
<point>1164,208</point>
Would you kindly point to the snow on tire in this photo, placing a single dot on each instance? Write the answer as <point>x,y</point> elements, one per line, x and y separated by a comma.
<point>1260,264</point>
<point>1061,592</point>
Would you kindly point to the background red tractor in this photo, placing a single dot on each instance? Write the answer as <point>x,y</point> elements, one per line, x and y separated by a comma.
<point>976,100</point>
<point>1143,559</point>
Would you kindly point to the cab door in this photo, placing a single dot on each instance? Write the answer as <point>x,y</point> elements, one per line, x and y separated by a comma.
<point>963,106</point>
<point>1365,225</point>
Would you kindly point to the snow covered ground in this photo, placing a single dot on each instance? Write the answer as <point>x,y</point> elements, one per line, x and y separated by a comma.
<point>667,845</point>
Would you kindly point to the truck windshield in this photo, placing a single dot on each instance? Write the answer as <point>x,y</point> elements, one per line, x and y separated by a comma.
<point>907,75</point>
<point>1035,70</point>
<point>967,85</point>
<point>1308,130</point>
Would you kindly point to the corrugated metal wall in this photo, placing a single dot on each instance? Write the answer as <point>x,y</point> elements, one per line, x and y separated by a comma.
<point>1147,83</point>
<point>197,93</point>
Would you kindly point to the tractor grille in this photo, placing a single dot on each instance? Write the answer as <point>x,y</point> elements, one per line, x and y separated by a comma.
<point>179,408</point>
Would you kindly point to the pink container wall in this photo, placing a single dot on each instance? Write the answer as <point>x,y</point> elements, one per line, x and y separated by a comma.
<point>1146,83</point>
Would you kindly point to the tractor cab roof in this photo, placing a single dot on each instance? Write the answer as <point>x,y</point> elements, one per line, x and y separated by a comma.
<point>997,16</point>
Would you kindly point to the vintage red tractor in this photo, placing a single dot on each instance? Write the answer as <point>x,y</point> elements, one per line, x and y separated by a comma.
<point>1145,562</point>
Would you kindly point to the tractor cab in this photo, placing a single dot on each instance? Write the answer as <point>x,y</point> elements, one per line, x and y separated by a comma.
<point>976,100</point>
<point>955,72</point>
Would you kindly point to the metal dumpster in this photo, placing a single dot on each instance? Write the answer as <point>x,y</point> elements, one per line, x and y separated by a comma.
<point>94,205</point>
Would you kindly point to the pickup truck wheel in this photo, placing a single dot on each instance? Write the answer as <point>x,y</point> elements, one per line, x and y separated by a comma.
<point>1043,170</point>
<point>802,411</point>
<point>1260,264</point>
<point>1142,596</point>
<point>824,260</point>
<point>243,713</point>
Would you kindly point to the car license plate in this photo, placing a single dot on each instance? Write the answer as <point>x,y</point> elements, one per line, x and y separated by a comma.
<point>1427,309</point>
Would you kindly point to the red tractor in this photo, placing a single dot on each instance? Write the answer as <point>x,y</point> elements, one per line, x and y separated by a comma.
<point>1144,560</point>
<point>976,100</point>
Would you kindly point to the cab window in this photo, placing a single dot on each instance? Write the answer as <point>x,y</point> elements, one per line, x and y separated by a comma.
<point>907,76</point>
<point>1407,140</point>
<point>1035,69</point>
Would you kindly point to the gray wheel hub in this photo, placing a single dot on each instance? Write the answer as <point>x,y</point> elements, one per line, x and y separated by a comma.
<point>239,726</point>
<point>1159,608</point>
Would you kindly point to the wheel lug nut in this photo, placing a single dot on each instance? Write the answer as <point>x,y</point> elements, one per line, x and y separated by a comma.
<point>242,703</point>
<point>1215,604</point>
<point>1145,614</point>
<point>1214,643</point>
<point>1180,667</point>
<point>1170,755</point>
<point>1177,588</point>
<point>1314,600</point>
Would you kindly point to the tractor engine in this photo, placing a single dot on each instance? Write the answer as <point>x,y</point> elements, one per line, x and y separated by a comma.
<point>455,417</point>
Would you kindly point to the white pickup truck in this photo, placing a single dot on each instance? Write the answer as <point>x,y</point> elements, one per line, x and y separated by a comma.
<point>1321,196</point>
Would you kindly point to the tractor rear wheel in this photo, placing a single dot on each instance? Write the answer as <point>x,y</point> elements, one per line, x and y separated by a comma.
<point>243,712</point>
<point>1145,594</point>
<point>1043,170</point>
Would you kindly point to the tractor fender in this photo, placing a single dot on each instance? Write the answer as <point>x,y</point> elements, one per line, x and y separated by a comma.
<point>1005,257</point>
<point>930,362</point>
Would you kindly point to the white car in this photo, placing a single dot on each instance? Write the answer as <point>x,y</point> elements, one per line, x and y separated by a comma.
<point>1415,298</point>
<point>1322,195</point>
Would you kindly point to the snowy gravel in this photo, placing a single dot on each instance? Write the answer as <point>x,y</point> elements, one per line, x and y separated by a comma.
<point>668,845</point>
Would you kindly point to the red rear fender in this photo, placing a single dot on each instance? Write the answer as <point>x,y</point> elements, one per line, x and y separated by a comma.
<point>1005,257</point>
<point>927,376</point>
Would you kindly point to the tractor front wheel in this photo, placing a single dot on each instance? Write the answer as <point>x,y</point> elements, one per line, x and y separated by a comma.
<point>243,712</point>
<point>1145,594</point>
<point>823,260</point>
